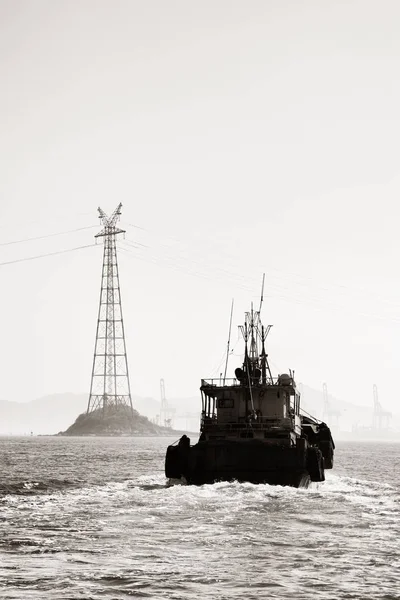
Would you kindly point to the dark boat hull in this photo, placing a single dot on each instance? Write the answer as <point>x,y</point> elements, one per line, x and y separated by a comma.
<point>253,461</point>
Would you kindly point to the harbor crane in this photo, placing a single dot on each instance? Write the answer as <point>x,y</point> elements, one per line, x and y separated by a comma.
<point>381,418</point>
<point>329,413</point>
<point>166,412</point>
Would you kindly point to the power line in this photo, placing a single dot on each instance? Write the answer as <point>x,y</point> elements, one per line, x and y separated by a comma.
<point>42,237</point>
<point>278,292</point>
<point>59,217</point>
<point>166,256</point>
<point>285,276</point>
<point>137,227</point>
<point>18,260</point>
<point>134,244</point>
<point>284,285</point>
<point>176,267</point>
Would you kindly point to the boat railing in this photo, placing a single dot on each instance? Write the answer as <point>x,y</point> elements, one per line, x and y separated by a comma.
<point>233,382</point>
<point>220,381</point>
<point>307,414</point>
<point>261,423</point>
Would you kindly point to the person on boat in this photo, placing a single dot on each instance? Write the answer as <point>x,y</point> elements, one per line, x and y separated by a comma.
<point>184,442</point>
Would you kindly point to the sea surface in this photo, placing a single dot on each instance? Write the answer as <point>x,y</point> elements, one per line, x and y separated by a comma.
<point>93,518</point>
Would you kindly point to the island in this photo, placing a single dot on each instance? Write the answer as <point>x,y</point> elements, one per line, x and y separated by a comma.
<point>116,421</point>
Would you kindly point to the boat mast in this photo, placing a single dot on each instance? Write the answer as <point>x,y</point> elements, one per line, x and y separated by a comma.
<point>229,341</point>
<point>264,356</point>
<point>253,340</point>
<point>262,294</point>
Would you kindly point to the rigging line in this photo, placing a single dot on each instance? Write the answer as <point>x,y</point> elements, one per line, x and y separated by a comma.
<point>229,341</point>
<point>216,369</point>
<point>42,237</point>
<point>231,353</point>
<point>18,260</point>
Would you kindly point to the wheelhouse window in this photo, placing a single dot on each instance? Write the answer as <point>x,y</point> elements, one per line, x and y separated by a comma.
<point>225,403</point>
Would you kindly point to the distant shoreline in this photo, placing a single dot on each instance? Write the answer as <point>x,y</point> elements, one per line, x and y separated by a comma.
<point>384,440</point>
<point>122,435</point>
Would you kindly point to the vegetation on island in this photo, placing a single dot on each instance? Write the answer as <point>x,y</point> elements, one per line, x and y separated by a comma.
<point>115,421</point>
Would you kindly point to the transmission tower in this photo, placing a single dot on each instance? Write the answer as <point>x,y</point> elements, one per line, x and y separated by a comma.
<point>110,387</point>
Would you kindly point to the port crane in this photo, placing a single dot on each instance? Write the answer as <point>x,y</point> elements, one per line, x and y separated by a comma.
<point>166,412</point>
<point>381,418</point>
<point>329,413</point>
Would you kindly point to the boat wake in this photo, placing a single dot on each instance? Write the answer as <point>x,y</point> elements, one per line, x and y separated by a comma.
<point>30,488</point>
<point>109,529</point>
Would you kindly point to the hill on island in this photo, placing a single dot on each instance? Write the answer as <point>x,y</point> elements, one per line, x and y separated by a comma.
<point>116,421</point>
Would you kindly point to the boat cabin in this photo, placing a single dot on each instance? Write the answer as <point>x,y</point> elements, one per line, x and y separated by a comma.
<point>238,408</point>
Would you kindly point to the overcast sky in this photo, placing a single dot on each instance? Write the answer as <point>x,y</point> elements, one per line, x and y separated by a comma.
<point>242,137</point>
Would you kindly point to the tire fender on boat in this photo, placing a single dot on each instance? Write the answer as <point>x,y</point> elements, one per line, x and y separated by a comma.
<point>173,466</point>
<point>315,464</point>
<point>176,459</point>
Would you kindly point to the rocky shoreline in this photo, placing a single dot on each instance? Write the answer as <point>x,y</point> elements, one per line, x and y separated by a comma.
<point>117,422</point>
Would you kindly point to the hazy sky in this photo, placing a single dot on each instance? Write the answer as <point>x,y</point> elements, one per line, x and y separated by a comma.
<point>241,137</point>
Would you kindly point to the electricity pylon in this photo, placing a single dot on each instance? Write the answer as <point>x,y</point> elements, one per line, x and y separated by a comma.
<point>110,377</point>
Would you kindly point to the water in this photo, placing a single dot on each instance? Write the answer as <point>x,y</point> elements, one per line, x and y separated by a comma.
<point>93,519</point>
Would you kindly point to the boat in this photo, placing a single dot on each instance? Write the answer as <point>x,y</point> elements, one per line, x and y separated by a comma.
<point>252,426</point>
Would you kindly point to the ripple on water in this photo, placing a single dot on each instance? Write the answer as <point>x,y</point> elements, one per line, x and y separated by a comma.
<point>122,532</point>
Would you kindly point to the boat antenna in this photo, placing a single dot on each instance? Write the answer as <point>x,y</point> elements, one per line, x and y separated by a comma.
<point>262,293</point>
<point>229,340</point>
<point>251,392</point>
